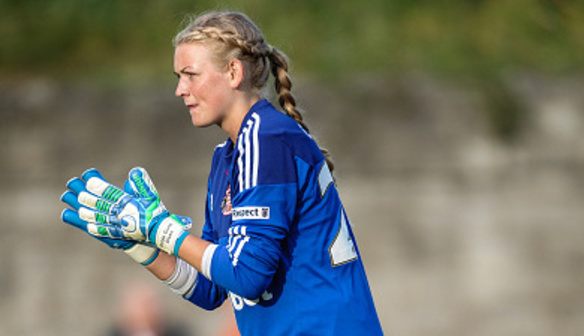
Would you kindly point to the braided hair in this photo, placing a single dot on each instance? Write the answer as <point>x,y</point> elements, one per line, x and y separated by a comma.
<point>233,35</point>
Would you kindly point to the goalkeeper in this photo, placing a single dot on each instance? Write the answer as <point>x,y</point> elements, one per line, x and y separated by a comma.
<point>276,240</point>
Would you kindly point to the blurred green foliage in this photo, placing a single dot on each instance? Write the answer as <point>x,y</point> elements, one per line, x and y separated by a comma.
<point>479,41</point>
<point>131,38</point>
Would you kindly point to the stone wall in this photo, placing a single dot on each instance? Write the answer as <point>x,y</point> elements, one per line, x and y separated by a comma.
<point>461,233</point>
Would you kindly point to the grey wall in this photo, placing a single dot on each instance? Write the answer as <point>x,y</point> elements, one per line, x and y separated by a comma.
<point>461,233</point>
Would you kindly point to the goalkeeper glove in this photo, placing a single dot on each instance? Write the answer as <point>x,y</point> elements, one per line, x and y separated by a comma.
<point>141,253</point>
<point>113,213</point>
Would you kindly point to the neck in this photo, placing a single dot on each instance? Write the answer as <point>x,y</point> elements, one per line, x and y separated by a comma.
<point>231,124</point>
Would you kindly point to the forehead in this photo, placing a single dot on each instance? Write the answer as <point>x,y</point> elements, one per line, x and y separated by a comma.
<point>191,54</point>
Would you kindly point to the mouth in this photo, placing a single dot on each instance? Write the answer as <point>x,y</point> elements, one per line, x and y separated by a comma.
<point>191,107</point>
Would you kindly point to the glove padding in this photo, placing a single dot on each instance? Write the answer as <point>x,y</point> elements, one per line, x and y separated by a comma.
<point>112,213</point>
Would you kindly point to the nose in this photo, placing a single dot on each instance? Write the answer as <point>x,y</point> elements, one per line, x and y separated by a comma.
<point>181,89</point>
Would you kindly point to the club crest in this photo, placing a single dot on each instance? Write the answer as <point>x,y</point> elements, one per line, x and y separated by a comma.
<point>226,203</point>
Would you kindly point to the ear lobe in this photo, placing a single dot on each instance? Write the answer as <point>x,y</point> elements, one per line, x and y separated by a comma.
<point>235,73</point>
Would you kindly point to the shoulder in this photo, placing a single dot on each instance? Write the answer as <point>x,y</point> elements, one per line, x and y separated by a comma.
<point>280,133</point>
<point>274,133</point>
<point>273,125</point>
<point>275,121</point>
<point>222,150</point>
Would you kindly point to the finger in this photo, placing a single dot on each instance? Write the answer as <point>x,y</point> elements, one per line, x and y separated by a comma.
<point>118,243</point>
<point>105,231</point>
<point>101,187</point>
<point>142,184</point>
<point>70,199</point>
<point>76,185</point>
<point>72,218</point>
<point>107,235</point>
<point>104,189</point>
<point>91,216</point>
<point>92,172</point>
<point>93,202</point>
<point>98,230</point>
<point>128,189</point>
<point>186,222</point>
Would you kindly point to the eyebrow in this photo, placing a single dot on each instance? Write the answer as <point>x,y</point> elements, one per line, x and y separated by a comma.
<point>183,70</point>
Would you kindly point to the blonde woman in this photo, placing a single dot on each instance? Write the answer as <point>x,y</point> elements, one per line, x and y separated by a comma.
<point>276,239</point>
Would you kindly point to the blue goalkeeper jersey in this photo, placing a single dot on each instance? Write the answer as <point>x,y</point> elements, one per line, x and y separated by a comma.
<point>284,251</point>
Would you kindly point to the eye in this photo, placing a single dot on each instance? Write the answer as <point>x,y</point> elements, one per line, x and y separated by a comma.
<point>191,74</point>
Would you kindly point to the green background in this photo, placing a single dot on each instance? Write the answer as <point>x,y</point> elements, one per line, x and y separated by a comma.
<point>130,40</point>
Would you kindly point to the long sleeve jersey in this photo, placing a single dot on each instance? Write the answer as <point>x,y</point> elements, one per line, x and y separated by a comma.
<point>283,250</point>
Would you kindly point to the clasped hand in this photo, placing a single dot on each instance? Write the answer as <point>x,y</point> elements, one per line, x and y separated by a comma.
<point>120,218</point>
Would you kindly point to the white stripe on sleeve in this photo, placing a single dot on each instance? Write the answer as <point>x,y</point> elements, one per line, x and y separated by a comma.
<point>256,150</point>
<point>207,259</point>
<point>248,160</point>
<point>240,163</point>
<point>248,150</point>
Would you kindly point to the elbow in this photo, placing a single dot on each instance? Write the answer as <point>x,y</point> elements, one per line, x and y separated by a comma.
<point>248,278</point>
<point>253,294</point>
<point>207,295</point>
<point>252,287</point>
<point>206,303</point>
<point>209,306</point>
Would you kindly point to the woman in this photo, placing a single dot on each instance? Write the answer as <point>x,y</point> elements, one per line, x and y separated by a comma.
<point>276,239</point>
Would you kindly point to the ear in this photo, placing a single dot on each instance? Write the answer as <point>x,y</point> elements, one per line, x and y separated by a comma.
<point>235,73</point>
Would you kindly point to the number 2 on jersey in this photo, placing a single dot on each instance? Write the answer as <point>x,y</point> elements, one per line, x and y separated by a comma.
<point>342,249</point>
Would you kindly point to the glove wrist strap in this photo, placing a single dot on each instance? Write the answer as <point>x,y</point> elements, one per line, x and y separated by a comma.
<point>142,254</point>
<point>169,235</point>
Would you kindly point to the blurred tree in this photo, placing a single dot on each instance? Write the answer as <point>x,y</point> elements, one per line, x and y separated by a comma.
<point>129,41</point>
<point>325,37</point>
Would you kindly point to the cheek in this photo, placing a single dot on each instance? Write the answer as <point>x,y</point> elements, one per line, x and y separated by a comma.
<point>202,87</point>
<point>211,91</point>
<point>196,88</point>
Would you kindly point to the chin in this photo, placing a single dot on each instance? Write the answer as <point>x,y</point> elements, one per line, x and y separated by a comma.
<point>200,123</point>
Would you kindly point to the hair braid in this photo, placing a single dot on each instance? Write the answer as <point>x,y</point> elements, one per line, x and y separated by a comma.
<point>279,67</point>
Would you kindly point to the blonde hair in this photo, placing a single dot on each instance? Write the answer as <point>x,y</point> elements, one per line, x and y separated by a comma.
<point>233,35</point>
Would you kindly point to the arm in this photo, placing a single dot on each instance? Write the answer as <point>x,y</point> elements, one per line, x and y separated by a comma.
<point>191,251</point>
<point>163,266</point>
<point>182,278</point>
<point>248,261</point>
